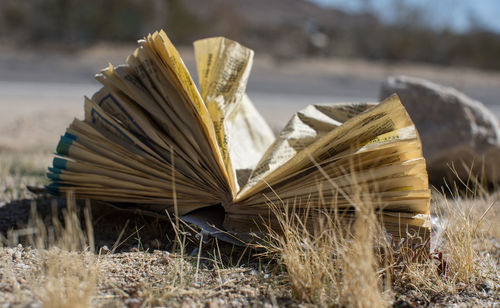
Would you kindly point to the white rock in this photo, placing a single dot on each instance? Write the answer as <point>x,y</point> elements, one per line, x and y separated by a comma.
<point>454,128</point>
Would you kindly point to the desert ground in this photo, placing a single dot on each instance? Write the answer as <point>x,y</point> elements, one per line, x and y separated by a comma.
<point>137,261</point>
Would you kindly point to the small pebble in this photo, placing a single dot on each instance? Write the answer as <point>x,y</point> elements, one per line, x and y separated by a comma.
<point>133,302</point>
<point>486,286</point>
<point>104,250</point>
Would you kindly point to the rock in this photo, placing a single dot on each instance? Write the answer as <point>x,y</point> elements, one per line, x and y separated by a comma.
<point>403,304</point>
<point>455,129</point>
<point>133,303</point>
<point>104,250</point>
<point>486,286</point>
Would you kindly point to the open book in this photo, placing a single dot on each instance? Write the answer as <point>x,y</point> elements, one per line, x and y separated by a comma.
<point>152,140</point>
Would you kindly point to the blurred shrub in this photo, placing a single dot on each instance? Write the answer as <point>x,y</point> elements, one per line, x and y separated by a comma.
<point>283,28</point>
<point>78,21</point>
<point>182,25</point>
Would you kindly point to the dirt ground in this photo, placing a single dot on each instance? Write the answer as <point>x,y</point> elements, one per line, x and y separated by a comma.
<point>137,264</point>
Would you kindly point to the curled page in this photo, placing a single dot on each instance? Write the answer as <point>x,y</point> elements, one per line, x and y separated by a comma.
<point>340,158</point>
<point>223,70</point>
<point>305,127</point>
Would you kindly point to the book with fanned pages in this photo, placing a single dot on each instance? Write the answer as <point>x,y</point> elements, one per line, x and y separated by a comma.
<point>153,140</point>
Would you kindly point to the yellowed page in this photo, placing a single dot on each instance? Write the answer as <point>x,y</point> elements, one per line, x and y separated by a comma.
<point>372,157</point>
<point>223,71</point>
<point>302,131</point>
<point>178,74</point>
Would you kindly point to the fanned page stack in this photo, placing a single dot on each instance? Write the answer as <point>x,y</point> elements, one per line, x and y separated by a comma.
<point>152,140</point>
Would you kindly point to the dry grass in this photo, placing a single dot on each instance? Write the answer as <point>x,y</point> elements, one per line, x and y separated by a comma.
<point>70,279</point>
<point>464,262</point>
<point>19,170</point>
<point>334,263</point>
<point>57,266</point>
<point>359,268</point>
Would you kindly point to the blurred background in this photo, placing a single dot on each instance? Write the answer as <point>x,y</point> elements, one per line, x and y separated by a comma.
<point>307,51</point>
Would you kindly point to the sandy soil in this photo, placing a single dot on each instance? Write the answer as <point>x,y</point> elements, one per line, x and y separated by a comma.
<point>134,267</point>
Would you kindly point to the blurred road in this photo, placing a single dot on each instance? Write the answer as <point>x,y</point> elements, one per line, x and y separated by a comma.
<point>40,93</point>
